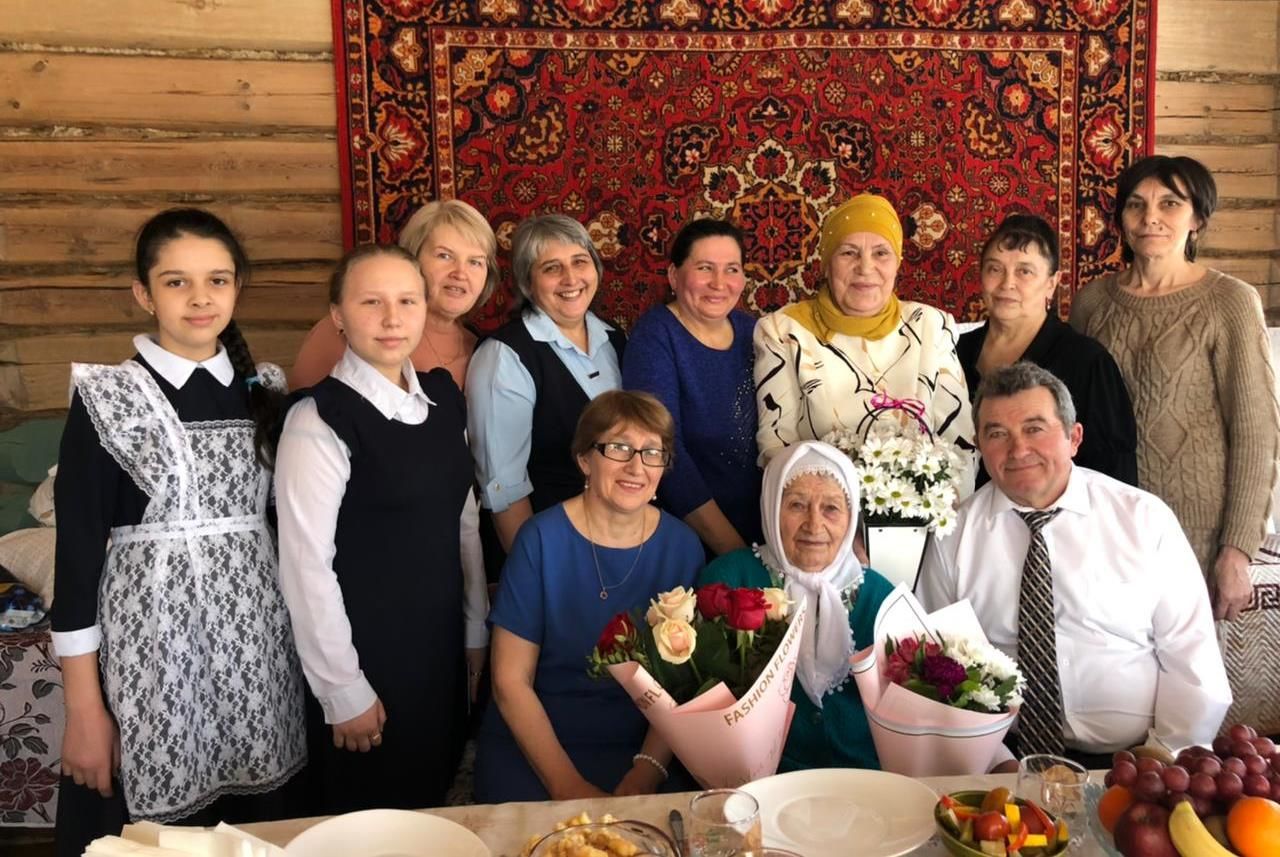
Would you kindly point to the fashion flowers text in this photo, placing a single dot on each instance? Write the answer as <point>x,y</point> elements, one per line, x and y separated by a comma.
<point>690,640</point>
<point>905,476</point>
<point>960,673</point>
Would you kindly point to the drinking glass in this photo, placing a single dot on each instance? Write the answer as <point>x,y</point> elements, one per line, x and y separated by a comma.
<point>724,823</point>
<point>1056,785</point>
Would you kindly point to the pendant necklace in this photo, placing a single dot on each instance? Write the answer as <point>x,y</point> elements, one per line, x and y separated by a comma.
<point>445,363</point>
<point>591,540</point>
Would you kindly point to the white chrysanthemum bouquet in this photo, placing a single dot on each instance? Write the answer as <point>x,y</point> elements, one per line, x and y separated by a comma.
<point>904,475</point>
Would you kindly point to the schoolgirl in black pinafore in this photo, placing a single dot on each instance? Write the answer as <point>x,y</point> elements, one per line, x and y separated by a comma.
<point>397,562</point>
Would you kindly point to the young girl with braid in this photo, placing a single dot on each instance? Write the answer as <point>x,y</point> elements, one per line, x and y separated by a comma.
<point>183,692</point>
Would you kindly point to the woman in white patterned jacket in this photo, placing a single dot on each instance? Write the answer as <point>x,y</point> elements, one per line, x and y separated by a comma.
<point>855,353</point>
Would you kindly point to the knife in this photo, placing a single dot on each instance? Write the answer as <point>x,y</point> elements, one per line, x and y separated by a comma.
<point>676,820</point>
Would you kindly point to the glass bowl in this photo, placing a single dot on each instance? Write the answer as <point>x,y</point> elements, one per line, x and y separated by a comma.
<point>651,841</point>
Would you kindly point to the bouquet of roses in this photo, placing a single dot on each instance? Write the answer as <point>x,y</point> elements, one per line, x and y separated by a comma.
<point>940,698</point>
<point>711,670</point>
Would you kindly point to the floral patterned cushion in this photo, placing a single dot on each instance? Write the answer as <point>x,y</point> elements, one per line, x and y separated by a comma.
<point>31,722</point>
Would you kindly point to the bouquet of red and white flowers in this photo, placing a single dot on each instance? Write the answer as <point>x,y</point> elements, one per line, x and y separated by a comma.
<point>711,670</point>
<point>939,697</point>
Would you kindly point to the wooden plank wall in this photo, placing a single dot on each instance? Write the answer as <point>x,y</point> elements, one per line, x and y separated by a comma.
<point>110,111</point>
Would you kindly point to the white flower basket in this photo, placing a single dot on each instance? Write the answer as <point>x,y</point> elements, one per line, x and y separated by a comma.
<point>896,551</point>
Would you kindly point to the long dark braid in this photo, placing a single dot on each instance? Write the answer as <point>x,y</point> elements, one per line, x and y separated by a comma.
<point>266,405</point>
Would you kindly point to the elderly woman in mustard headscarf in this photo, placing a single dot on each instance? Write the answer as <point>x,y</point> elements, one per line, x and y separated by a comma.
<point>809,510</point>
<point>839,360</point>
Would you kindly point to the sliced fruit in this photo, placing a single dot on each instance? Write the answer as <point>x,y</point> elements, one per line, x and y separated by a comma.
<point>1018,838</point>
<point>995,799</point>
<point>966,832</point>
<point>1014,815</point>
<point>993,849</point>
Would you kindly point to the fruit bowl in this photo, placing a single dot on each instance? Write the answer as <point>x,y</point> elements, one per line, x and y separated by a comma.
<point>962,849</point>
<point>1092,794</point>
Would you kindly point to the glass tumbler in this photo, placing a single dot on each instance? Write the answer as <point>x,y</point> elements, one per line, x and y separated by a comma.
<point>724,823</point>
<point>1057,785</point>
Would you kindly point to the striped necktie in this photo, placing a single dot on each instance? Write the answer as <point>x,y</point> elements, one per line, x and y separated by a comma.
<point>1040,718</point>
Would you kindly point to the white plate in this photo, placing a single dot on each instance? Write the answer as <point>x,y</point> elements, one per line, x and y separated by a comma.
<point>822,812</point>
<point>387,833</point>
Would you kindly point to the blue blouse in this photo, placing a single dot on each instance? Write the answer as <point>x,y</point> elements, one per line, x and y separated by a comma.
<point>550,595</point>
<point>501,395</point>
<point>711,396</point>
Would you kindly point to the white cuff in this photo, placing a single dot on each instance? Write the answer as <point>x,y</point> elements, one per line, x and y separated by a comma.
<point>349,701</point>
<point>68,644</point>
<point>477,636</point>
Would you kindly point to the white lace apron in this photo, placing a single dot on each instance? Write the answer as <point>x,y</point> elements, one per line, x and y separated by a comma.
<point>197,657</point>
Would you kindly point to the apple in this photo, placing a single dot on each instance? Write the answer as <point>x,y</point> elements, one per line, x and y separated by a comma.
<point>1143,831</point>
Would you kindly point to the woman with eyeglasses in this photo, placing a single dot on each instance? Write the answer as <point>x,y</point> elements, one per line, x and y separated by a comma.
<point>555,733</point>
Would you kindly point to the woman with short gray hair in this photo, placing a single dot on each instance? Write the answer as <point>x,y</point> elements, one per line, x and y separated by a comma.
<point>528,383</point>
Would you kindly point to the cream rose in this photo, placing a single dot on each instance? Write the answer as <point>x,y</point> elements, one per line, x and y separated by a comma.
<point>676,640</point>
<point>677,604</point>
<point>779,604</point>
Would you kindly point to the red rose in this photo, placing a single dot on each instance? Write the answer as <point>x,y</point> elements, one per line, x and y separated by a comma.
<point>713,600</point>
<point>747,609</point>
<point>619,626</point>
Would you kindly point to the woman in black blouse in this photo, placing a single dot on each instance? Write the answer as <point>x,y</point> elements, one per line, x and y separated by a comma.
<point>1019,277</point>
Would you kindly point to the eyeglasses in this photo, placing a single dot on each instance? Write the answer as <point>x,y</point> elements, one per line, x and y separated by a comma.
<point>651,457</point>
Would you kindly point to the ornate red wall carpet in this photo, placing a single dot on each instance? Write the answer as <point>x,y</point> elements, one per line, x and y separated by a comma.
<point>635,116</point>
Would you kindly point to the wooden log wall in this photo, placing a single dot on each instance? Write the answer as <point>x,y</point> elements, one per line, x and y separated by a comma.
<point>110,111</point>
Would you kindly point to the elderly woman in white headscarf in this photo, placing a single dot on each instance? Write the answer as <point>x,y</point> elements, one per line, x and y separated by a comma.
<point>809,508</point>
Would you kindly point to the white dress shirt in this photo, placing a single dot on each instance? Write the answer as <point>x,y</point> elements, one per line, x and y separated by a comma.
<point>312,469</point>
<point>1138,658</point>
<point>177,371</point>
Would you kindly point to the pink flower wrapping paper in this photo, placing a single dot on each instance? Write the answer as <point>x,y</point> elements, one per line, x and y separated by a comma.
<point>914,735</point>
<point>724,742</point>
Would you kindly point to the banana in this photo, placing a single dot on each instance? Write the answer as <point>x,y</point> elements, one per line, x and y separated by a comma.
<point>1191,837</point>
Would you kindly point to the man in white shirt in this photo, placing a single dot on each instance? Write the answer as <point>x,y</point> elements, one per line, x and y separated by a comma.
<point>1137,659</point>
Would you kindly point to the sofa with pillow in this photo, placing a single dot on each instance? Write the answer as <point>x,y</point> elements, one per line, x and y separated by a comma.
<point>31,714</point>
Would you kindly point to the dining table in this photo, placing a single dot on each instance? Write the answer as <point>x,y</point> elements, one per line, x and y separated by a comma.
<point>506,827</point>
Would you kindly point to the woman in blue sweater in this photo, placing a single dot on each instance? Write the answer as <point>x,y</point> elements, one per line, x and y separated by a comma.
<point>695,355</point>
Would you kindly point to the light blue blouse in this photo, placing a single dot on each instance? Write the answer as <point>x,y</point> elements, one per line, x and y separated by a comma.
<point>501,395</point>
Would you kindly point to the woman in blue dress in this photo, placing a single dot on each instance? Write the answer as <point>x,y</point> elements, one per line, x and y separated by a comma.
<point>809,510</point>
<point>554,733</point>
<point>695,355</point>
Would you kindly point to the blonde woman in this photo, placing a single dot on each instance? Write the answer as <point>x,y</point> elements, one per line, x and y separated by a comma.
<point>457,253</point>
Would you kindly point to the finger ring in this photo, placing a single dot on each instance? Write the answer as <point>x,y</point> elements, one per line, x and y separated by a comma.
<point>377,736</point>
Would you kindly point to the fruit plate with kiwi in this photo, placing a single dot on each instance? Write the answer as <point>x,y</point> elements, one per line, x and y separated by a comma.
<point>994,824</point>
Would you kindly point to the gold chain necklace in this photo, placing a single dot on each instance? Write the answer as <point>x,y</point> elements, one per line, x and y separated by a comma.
<point>591,540</point>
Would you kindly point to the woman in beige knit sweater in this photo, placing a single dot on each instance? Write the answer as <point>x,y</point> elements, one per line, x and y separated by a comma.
<point>1192,345</point>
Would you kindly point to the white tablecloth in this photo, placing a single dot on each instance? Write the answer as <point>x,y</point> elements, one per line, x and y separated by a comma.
<point>505,827</point>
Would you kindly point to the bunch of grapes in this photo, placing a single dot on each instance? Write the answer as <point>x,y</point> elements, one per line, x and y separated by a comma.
<point>1240,764</point>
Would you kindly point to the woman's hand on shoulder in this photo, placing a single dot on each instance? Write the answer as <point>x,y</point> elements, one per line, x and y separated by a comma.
<point>91,748</point>
<point>362,732</point>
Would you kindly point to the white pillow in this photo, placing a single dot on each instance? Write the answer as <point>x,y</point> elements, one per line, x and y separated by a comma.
<point>28,554</point>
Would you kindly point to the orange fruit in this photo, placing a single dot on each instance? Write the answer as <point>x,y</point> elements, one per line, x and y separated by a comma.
<point>1112,805</point>
<point>1253,826</point>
